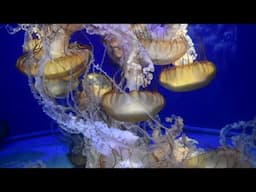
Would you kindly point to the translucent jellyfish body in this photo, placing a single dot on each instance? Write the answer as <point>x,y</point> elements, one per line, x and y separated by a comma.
<point>163,52</point>
<point>133,107</point>
<point>97,84</point>
<point>188,77</point>
<point>219,158</point>
<point>58,68</point>
<point>60,88</point>
<point>60,74</point>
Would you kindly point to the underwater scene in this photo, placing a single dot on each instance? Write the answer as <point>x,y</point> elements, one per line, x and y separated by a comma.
<point>128,96</point>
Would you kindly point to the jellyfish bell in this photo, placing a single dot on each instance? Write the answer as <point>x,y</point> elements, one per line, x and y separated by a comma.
<point>134,106</point>
<point>188,77</point>
<point>74,63</point>
<point>64,66</point>
<point>59,68</point>
<point>97,84</point>
<point>59,88</point>
<point>164,52</point>
<point>23,66</point>
<point>27,63</point>
<point>218,158</point>
<point>60,74</point>
<point>190,72</point>
<point>163,48</point>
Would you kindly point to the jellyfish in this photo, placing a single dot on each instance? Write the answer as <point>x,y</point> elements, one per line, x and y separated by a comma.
<point>125,50</point>
<point>59,73</point>
<point>105,112</point>
<point>188,77</point>
<point>59,68</point>
<point>188,73</point>
<point>170,44</point>
<point>163,44</point>
<point>219,158</point>
<point>163,52</point>
<point>97,85</point>
<point>134,106</point>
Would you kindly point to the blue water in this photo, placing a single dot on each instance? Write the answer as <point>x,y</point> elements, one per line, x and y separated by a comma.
<point>230,97</point>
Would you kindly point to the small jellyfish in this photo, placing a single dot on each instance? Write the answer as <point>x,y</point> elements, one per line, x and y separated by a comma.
<point>97,85</point>
<point>134,106</point>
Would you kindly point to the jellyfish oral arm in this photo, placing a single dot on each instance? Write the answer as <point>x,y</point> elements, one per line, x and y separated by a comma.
<point>103,138</point>
<point>135,61</point>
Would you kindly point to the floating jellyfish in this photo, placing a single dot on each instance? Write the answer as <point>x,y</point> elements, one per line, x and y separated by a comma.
<point>134,106</point>
<point>96,100</point>
<point>163,52</point>
<point>97,85</point>
<point>188,72</point>
<point>162,48</point>
<point>188,77</point>
<point>61,73</point>
<point>219,158</point>
<point>170,44</point>
<point>61,67</point>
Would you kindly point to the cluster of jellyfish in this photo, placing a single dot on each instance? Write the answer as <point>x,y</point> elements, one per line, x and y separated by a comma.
<point>112,114</point>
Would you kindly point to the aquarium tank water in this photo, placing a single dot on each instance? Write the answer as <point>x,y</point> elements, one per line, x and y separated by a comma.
<point>127,96</point>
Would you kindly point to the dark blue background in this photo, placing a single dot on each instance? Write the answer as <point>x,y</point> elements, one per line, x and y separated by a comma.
<point>230,97</point>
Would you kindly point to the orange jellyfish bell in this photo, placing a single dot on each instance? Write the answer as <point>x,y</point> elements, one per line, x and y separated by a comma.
<point>164,52</point>
<point>132,107</point>
<point>161,51</point>
<point>188,77</point>
<point>60,68</point>
<point>61,74</point>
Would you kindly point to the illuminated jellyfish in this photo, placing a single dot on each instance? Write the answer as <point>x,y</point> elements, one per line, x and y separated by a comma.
<point>105,112</point>
<point>170,44</point>
<point>125,50</point>
<point>61,67</point>
<point>240,154</point>
<point>97,85</point>
<point>219,158</point>
<point>188,77</point>
<point>134,106</point>
<point>60,73</point>
<point>240,136</point>
<point>163,44</point>
<point>187,73</point>
<point>137,66</point>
